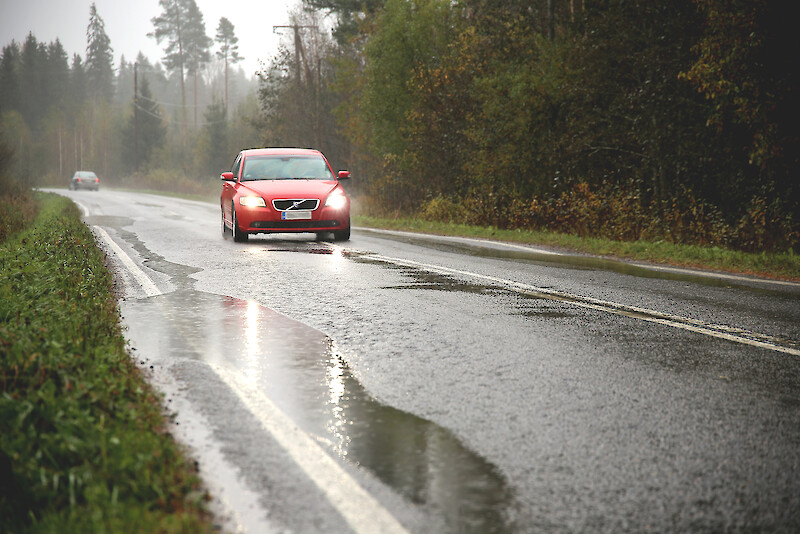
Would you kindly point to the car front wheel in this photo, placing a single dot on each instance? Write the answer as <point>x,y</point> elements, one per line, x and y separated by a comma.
<point>238,235</point>
<point>342,235</point>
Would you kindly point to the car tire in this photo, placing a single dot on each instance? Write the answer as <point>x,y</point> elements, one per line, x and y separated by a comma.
<point>342,235</point>
<point>238,235</point>
<point>224,228</point>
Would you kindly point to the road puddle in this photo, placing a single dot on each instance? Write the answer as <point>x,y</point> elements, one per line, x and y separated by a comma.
<point>299,369</point>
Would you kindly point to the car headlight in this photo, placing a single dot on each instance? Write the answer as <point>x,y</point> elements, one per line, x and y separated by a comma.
<point>336,200</point>
<point>252,202</point>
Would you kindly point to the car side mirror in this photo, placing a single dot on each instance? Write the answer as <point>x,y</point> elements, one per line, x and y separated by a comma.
<point>227,177</point>
<point>344,175</point>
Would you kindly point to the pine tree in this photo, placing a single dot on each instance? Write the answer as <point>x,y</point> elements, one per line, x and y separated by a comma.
<point>9,78</point>
<point>144,130</point>
<point>57,69</point>
<point>33,59</point>
<point>99,59</point>
<point>197,46</point>
<point>171,26</point>
<point>228,49</point>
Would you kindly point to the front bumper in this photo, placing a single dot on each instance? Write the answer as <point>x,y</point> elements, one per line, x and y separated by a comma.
<point>265,220</point>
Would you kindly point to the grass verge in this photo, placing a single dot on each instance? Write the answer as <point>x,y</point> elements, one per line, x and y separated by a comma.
<point>784,266</point>
<point>83,442</point>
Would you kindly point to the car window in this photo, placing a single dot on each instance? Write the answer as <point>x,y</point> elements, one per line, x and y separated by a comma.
<point>237,163</point>
<point>286,168</point>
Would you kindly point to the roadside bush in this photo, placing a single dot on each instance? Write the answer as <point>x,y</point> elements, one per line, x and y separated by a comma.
<point>83,447</point>
<point>443,209</point>
<point>619,214</point>
<point>18,207</point>
<point>766,227</point>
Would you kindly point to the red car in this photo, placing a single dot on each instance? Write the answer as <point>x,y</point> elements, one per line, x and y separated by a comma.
<point>277,190</point>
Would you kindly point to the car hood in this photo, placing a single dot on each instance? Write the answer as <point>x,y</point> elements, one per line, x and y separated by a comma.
<point>271,189</point>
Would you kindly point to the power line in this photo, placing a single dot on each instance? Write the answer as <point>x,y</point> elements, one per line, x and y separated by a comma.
<point>171,121</point>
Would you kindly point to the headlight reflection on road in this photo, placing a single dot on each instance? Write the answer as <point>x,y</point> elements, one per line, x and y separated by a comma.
<point>337,258</point>
<point>336,390</point>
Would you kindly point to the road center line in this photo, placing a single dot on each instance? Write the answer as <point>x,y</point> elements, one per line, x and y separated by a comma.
<point>737,335</point>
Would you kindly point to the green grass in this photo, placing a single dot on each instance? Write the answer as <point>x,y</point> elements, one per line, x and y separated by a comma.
<point>784,266</point>
<point>83,441</point>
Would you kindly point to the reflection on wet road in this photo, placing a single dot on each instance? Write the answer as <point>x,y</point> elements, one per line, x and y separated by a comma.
<point>298,368</point>
<point>551,393</point>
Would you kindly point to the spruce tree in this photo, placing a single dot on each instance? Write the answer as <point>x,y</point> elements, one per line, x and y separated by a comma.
<point>228,49</point>
<point>99,59</point>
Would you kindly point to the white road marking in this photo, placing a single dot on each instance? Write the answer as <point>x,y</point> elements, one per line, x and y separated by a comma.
<point>737,335</point>
<point>141,277</point>
<point>361,511</point>
<point>489,242</point>
<point>83,208</point>
<point>659,268</point>
<point>721,276</point>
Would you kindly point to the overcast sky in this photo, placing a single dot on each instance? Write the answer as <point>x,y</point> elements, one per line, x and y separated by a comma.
<point>128,22</point>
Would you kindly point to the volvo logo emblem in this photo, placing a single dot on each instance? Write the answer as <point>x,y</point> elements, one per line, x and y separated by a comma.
<point>293,206</point>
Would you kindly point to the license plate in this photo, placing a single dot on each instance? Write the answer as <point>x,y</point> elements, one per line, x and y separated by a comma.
<point>295,215</point>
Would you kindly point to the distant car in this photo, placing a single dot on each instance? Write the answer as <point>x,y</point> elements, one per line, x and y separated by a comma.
<point>84,180</point>
<point>277,190</point>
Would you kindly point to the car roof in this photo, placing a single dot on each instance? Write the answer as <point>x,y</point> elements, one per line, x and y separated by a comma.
<point>281,152</point>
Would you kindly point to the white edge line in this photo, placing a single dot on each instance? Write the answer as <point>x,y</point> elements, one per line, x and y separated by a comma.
<point>141,277</point>
<point>658,268</point>
<point>436,237</point>
<point>83,208</point>
<point>609,307</point>
<point>361,511</point>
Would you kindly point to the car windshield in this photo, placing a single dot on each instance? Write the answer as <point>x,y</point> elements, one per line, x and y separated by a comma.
<point>286,168</point>
<point>86,175</point>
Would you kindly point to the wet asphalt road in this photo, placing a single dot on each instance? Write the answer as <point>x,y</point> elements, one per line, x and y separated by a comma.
<point>405,383</point>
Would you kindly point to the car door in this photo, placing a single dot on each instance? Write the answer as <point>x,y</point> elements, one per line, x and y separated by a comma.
<point>229,190</point>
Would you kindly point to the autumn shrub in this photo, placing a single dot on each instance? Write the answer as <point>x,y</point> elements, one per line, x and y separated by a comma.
<point>686,219</point>
<point>766,226</point>
<point>620,214</point>
<point>18,207</point>
<point>443,209</point>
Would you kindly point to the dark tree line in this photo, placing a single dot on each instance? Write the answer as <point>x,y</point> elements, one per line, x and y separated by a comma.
<point>630,119</point>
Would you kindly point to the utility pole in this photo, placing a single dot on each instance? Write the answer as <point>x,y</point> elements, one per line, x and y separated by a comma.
<point>299,52</point>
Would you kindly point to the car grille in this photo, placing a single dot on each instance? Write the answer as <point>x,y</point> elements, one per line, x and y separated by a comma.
<point>296,204</point>
<point>293,225</point>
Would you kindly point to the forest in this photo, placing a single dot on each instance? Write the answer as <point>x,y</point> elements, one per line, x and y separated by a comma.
<point>672,121</point>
